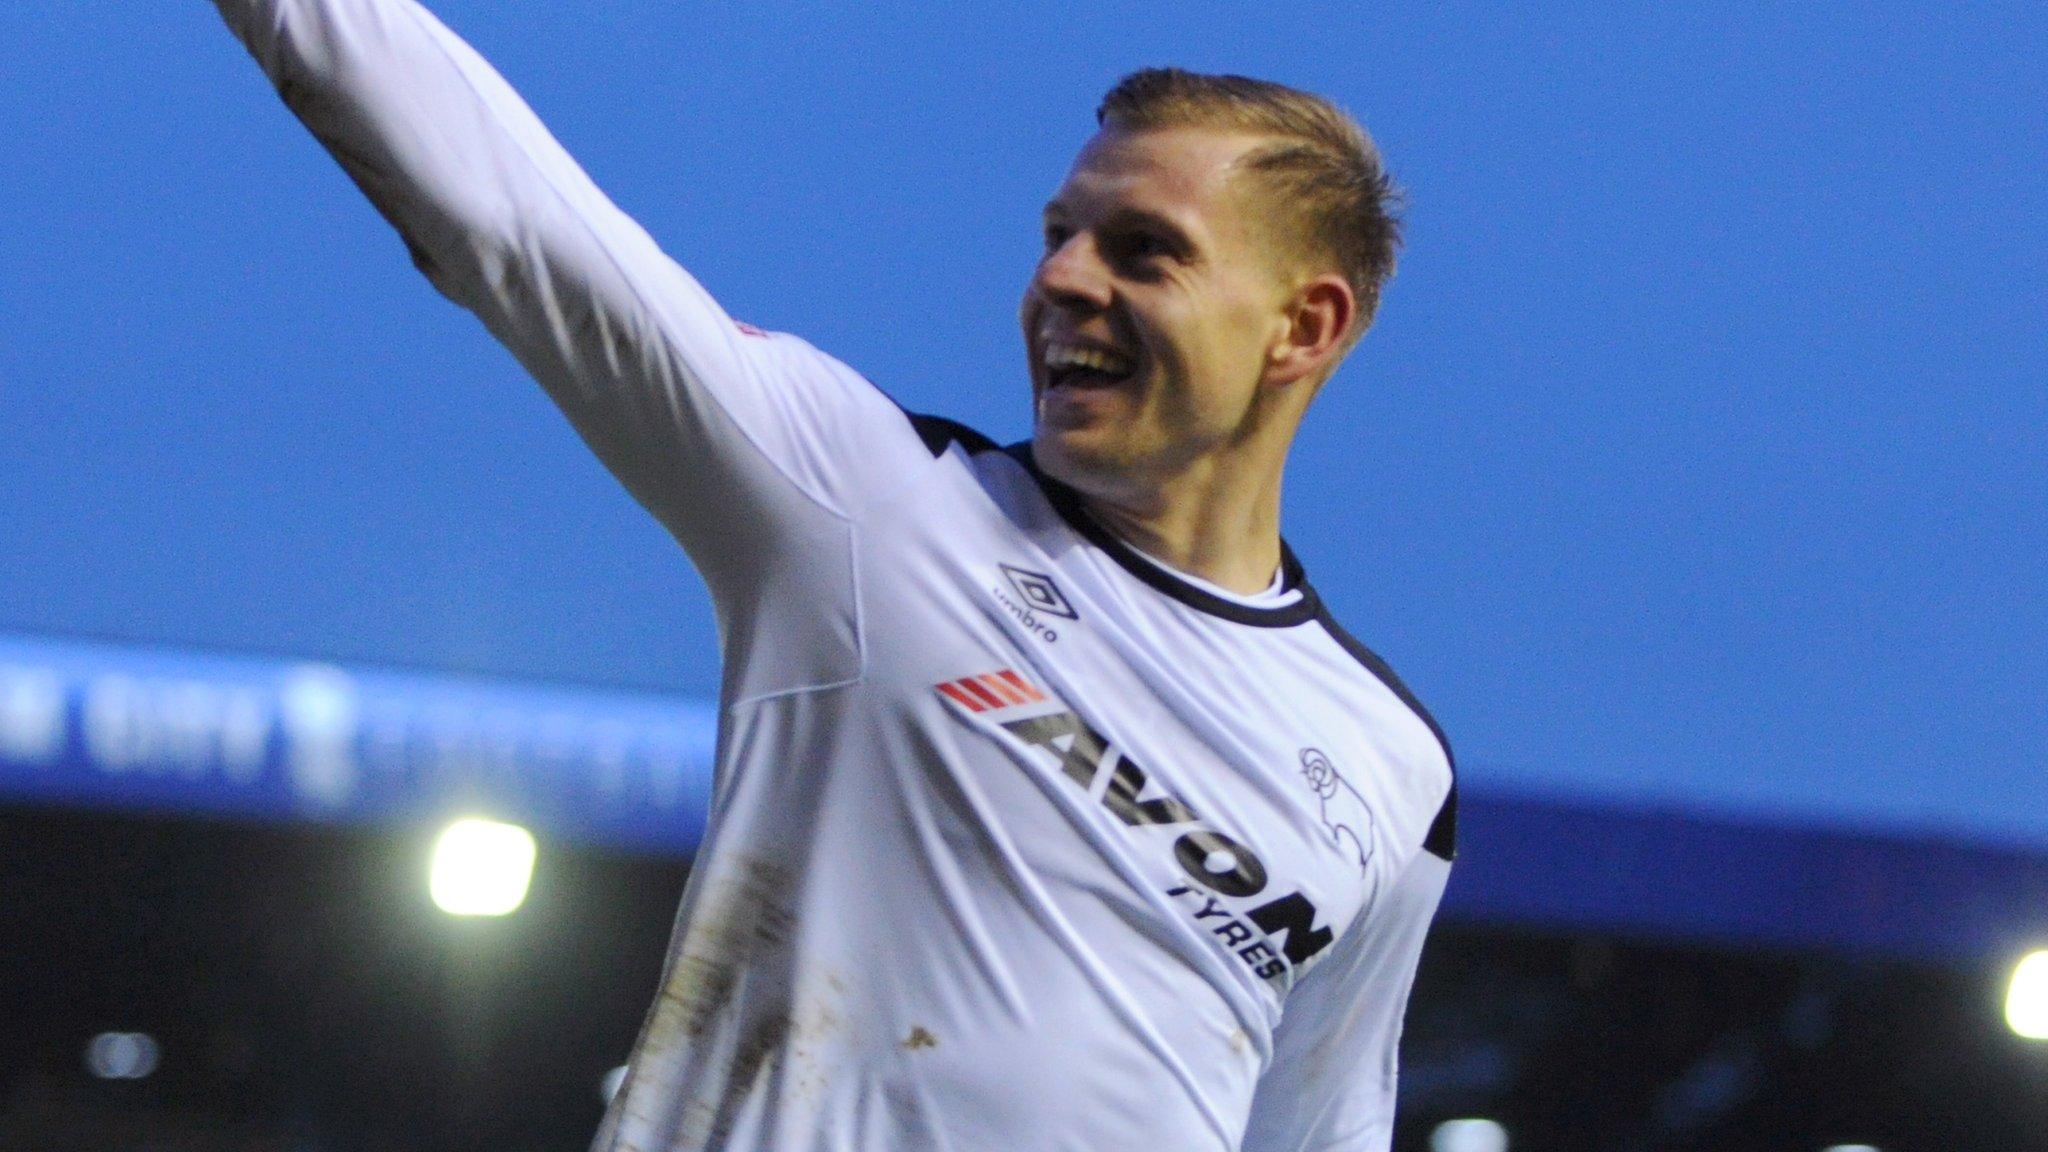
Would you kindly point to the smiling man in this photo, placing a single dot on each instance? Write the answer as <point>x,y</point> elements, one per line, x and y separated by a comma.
<point>1215,251</point>
<point>1053,810</point>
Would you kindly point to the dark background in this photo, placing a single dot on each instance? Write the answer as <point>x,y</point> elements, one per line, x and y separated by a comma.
<point>306,995</point>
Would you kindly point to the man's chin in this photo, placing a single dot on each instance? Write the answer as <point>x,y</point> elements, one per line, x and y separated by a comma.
<point>1074,459</point>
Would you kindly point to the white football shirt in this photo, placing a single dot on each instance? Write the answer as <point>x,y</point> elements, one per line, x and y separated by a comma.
<point>1018,840</point>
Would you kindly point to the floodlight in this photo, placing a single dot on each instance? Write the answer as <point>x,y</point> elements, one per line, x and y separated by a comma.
<point>481,868</point>
<point>1471,1135</point>
<point>2026,1001</point>
<point>122,1055</point>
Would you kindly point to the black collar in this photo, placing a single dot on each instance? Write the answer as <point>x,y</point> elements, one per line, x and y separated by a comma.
<point>1068,504</point>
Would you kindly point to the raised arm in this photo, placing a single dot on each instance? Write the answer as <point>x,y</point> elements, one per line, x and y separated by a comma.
<point>719,429</point>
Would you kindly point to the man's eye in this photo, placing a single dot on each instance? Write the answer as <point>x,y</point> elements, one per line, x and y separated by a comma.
<point>1142,246</point>
<point>1135,248</point>
<point>1056,237</point>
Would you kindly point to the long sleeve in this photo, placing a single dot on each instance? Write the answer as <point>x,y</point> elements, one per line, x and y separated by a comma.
<point>754,449</point>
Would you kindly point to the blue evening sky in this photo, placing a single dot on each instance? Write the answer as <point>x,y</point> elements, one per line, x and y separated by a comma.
<point>1700,455</point>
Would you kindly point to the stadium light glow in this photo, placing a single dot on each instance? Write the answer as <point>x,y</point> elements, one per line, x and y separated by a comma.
<point>2026,1000</point>
<point>1851,1148</point>
<point>122,1055</point>
<point>481,868</point>
<point>612,1082</point>
<point>1472,1135</point>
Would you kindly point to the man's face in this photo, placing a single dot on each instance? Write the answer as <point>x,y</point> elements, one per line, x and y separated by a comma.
<point>1150,316</point>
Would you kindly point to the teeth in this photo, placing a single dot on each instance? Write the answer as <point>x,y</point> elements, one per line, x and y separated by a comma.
<point>1067,356</point>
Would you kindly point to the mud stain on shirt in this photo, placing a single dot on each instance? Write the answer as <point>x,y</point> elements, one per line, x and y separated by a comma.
<point>742,919</point>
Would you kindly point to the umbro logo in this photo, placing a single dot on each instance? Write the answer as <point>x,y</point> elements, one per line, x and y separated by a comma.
<point>1036,601</point>
<point>1039,593</point>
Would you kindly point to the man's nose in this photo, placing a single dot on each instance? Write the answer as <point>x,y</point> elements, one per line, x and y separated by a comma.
<point>1073,275</point>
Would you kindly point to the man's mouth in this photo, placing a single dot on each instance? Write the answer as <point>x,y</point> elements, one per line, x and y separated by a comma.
<point>1084,366</point>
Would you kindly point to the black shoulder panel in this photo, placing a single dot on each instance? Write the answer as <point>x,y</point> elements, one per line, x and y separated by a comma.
<point>1442,840</point>
<point>939,434</point>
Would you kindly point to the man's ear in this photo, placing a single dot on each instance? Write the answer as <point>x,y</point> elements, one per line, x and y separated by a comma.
<point>1320,314</point>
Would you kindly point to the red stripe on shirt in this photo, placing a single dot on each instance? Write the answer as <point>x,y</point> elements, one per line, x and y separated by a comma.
<point>961,698</point>
<point>988,697</point>
<point>1010,695</point>
<point>1021,685</point>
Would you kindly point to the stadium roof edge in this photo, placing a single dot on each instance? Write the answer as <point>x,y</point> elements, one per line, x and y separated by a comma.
<point>140,729</point>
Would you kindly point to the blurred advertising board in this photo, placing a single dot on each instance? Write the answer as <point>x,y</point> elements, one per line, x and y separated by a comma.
<point>140,729</point>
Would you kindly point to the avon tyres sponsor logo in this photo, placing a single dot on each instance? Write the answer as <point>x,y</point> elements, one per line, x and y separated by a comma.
<point>1274,936</point>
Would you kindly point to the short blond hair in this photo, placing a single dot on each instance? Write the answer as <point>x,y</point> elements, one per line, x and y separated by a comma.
<point>1335,198</point>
